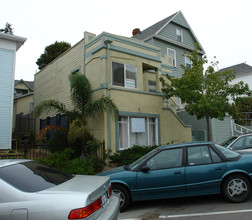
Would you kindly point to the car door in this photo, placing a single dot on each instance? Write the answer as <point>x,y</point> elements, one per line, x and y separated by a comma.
<point>203,171</point>
<point>165,176</point>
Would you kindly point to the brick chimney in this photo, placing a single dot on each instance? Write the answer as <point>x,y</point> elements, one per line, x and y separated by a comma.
<point>135,31</point>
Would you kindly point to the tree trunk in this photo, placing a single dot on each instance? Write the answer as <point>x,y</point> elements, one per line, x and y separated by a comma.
<point>209,133</point>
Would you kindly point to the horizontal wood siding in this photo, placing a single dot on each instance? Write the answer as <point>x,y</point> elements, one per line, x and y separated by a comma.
<point>52,82</point>
<point>6,102</point>
<point>221,130</point>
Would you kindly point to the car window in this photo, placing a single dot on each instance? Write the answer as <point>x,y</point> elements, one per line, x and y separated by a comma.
<point>238,144</point>
<point>198,155</point>
<point>248,142</point>
<point>215,157</point>
<point>32,176</point>
<point>166,159</point>
<point>227,142</point>
<point>229,154</point>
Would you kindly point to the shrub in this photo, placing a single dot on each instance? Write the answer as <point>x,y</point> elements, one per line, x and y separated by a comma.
<point>130,155</point>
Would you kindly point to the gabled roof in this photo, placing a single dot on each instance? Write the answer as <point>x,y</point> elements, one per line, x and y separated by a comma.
<point>29,84</point>
<point>240,69</point>
<point>153,30</point>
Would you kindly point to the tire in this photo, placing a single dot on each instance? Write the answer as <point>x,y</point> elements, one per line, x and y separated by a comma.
<point>236,188</point>
<point>123,194</point>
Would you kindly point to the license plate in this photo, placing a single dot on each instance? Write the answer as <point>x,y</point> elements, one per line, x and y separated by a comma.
<point>104,200</point>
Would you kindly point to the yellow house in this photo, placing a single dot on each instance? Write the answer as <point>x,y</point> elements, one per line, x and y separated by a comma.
<point>127,70</point>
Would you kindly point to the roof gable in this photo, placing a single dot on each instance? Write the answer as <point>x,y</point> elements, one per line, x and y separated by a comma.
<point>154,30</point>
<point>29,84</point>
<point>240,69</point>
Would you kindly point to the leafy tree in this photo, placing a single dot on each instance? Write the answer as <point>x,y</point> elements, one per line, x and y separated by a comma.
<point>8,29</point>
<point>205,93</point>
<point>83,108</point>
<point>51,52</point>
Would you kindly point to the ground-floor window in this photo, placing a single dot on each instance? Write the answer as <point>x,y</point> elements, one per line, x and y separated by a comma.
<point>137,131</point>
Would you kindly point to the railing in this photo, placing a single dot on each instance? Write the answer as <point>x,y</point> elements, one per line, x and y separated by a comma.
<point>241,129</point>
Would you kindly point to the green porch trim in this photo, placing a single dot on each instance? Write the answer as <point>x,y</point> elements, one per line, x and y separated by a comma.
<point>136,114</point>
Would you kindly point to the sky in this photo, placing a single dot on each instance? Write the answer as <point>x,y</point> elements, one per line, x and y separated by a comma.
<point>223,27</point>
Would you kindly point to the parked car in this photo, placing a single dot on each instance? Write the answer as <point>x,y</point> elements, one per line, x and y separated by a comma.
<point>239,143</point>
<point>30,190</point>
<point>188,169</point>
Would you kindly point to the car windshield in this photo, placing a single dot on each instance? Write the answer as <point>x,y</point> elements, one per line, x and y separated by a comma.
<point>229,154</point>
<point>134,164</point>
<point>228,141</point>
<point>32,176</point>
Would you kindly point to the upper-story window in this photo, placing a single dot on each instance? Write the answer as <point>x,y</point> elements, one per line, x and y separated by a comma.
<point>179,34</point>
<point>172,53</point>
<point>124,75</point>
<point>188,62</point>
<point>152,86</point>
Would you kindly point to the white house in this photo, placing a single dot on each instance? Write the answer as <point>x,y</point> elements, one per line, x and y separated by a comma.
<point>9,44</point>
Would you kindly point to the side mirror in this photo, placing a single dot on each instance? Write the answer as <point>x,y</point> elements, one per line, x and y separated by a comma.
<point>145,168</point>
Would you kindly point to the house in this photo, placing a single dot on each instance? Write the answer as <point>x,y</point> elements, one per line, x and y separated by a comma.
<point>174,36</point>
<point>23,108</point>
<point>127,70</point>
<point>9,44</point>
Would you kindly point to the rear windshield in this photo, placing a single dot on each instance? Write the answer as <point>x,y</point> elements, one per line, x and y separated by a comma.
<point>32,176</point>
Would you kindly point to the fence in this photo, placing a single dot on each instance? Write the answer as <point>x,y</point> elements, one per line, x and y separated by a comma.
<point>35,152</point>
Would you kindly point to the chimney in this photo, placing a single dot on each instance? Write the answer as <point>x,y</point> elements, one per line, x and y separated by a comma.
<point>135,31</point>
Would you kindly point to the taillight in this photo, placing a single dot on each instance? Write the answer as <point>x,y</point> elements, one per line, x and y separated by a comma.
<point>86,211</point>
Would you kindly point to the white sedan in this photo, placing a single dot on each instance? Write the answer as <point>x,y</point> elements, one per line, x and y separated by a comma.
<point>31,190</point>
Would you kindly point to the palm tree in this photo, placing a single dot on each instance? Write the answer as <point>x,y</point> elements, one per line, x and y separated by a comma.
<point>83,107</point>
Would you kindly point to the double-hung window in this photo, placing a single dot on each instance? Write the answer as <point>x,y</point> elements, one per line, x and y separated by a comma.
<point>137,131</point>
<point>172,54</point>
<point>124,75</point>
<point>179,34</point>
<point>152,86</point>
<point>188,62</point>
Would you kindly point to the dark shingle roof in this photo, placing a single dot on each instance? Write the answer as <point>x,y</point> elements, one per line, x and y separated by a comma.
<point>28,83</point>
<point>240,69</point>
<point>153,29</point>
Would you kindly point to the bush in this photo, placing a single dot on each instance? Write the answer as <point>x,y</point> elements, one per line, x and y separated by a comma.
<point>130,155</point>
<point>64,161</point>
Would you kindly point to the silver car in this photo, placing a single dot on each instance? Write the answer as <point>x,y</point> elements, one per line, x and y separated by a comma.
<point>31,190</point>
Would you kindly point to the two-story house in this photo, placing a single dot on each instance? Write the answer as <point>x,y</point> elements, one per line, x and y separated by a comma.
<point>128,71</point>
<point>174,36</point>
<point>9,44</point>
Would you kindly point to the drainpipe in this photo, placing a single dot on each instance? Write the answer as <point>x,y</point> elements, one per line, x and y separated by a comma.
<point>108,43</point>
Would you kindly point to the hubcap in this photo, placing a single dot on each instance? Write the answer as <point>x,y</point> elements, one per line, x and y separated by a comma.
<point>236,187</point>
<point>120,195</point>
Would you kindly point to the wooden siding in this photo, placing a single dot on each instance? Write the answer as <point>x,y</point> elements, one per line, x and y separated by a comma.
<point>6,91</point>
<point>52,82</point>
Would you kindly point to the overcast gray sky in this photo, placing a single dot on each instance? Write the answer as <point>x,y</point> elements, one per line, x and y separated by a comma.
<point>223,27</point>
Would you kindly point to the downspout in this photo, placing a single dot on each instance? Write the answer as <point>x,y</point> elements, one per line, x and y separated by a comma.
<point>108,43</point>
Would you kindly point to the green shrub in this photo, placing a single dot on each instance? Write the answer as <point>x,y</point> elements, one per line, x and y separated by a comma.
<point>130,155</point>
<point>64,161</point>
<point>58,141</point>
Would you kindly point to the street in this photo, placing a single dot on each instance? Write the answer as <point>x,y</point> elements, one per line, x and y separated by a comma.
<point>204,207</point>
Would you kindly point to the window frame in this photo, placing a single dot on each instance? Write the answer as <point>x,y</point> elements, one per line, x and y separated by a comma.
<point>125,75</point>
<point>154,84</point>
<point>174,58</point>
<point>189,63</point>
<point>128,122</point>
<point>180,35</point>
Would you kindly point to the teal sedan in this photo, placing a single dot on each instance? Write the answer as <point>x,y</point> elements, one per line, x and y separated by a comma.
<point>188,169</point>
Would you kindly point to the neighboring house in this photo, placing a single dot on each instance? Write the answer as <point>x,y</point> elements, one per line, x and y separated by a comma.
<point>174,36</point>
<point>23,106</point>
<point>221,130</point>
<point>9,44</point>
<point>128,71</point>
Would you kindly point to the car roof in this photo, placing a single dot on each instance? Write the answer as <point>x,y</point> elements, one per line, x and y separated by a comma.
<point>8,162</point>
<point>187,144</point>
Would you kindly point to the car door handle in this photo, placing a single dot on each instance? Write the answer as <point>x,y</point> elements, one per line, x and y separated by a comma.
<point>177,172</point>
<point>218,168</point>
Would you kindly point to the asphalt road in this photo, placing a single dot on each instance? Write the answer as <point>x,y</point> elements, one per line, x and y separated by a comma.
<point>193,208</point>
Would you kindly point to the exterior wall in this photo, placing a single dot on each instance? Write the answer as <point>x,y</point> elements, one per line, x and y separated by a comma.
<point>246,78</point>
<point>9,44</point>
<point>23,104</point>
<point>52,82</point>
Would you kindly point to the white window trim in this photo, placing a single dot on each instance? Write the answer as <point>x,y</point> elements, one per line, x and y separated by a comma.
<point>187,62</point>
<point>175,62</point>
<point>147,130</point>
<point>181,31</point>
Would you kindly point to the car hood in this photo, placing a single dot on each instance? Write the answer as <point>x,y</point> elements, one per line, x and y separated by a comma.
<point>112,171</point>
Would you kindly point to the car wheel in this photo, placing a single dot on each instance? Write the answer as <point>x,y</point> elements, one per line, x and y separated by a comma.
<point>123,195</point>
<point>236,188</point>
